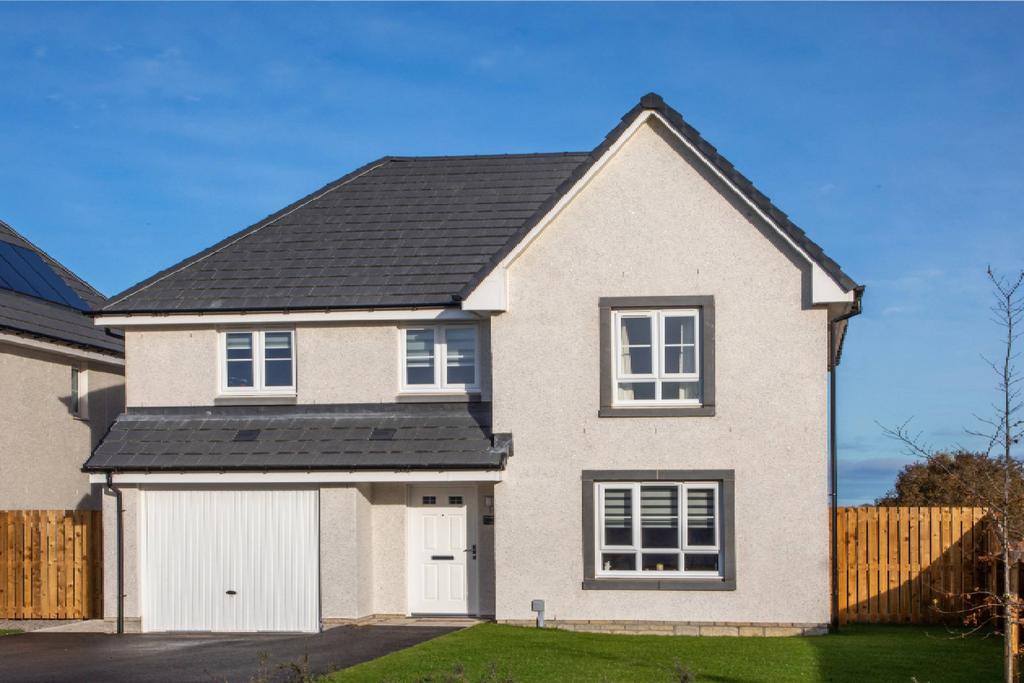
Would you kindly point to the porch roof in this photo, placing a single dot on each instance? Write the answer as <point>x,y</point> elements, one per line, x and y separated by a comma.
<point>414,436</point>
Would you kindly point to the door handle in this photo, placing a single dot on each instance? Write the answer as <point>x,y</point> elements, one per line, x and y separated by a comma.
<point>471,549</point>
<point>231,593</point>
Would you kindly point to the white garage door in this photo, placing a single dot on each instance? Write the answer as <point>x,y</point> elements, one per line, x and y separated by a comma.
<point>230,560</point>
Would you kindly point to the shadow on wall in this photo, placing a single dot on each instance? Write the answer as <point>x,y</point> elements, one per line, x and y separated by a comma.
<point>104,404</point>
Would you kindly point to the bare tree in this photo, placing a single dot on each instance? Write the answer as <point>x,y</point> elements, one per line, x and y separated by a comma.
<point>1002,433</point>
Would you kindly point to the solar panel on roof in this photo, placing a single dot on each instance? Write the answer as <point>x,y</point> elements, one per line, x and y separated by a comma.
<point>23,270</point>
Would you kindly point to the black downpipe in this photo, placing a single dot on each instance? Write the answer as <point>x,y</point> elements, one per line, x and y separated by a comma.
<point>120,551</point>
<point>834,455</point>
<point>833,488</point>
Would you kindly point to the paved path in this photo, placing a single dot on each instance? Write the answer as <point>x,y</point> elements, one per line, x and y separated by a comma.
<point>143,658</point>
<point>34,624</point>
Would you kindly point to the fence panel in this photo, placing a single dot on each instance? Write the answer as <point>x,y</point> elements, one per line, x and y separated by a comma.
<point>910,564</point>
<point>51,564</point>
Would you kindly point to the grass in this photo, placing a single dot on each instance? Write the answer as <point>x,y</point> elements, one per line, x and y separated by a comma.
<point>10,631</point>
<point>501,654</point>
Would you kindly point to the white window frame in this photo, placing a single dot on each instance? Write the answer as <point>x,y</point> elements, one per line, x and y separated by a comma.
<point>657,375</point>
<point>636,547</point>
<point>259,359</point>
<point>440,383</point>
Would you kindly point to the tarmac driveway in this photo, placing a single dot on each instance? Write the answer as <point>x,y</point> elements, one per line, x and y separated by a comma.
<point>38,657</point>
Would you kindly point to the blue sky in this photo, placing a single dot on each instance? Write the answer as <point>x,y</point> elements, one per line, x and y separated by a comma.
<point>135,135</point>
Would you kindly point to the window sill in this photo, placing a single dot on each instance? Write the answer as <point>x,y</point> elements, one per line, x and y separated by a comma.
<point>438,397</point>
<point>673,584</point>
<point>255,399</point>
<point>655,411</point>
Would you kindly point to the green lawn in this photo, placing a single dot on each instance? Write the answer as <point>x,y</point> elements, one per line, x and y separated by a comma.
<point>10,631</point>
<point>502,654</point>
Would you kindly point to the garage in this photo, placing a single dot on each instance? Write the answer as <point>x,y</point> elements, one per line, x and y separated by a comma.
<point>230,560</point>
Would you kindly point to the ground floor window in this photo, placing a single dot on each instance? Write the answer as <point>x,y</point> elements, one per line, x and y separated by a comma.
<point>662,528</point>
<point>659,529</point>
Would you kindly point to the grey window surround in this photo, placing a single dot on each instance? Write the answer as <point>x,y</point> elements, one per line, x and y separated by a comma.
<point>706,304</point>
<point>727,481</point>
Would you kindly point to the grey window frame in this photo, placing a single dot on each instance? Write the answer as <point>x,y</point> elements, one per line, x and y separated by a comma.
<point>706,306</point>
<point>726,480</point>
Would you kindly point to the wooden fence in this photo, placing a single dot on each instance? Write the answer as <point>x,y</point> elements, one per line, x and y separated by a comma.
<point>910,564</point>
<point>51,564</point>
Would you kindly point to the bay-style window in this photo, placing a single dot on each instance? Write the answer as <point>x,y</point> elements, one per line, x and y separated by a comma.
<point>658,356</point>
<point>258,362</point>
<point>440,358</point>
<point>658,529</point>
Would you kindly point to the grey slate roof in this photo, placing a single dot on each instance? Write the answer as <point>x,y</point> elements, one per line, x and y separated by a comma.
<point>304,438</point>
<point>28,316</point>
<point>404,231</point>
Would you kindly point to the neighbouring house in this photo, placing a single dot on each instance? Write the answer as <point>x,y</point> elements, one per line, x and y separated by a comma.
<point>61,380</point>
<point>457,385</point>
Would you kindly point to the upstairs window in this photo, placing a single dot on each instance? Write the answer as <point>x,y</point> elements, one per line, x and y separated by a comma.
<point>76,399</point>
<point>78,404</point>
<point>258,361</point>
<point>658,357</point>
<point>440,358</point>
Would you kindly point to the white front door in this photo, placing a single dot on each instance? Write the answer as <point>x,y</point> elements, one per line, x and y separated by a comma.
<point>230,560</point>
<point>442,550</point>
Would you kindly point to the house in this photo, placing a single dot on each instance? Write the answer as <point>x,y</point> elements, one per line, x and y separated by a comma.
<point>61,380</point>
<point>457,385</point>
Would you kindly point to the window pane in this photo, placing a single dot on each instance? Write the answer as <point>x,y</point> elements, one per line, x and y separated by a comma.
<point>680,330</point>
<point>636,360</point>
<point>659,533</point>
<point>677,391</point>
<point>700,523</point>
<point>420,375</point>
<point>239,373</point>
<point>659,510</point>
<point>461,344</point>
<point>239,345</point>
<point>278,373</point>
<point>636,331</point>
<point>637,354</point>
<point>419,355</point>
<point>636,391</point>
<point>661,562</point>
<point>659,501</point>
<point>618,517</point>
<point>618,561</point>
<point>700,502</point>
<point>679,359</point>
<point>74,391</point>
<point>700,531</point>
<point>419,343</point>
<point>277,344</point>
<point>700,563</point>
